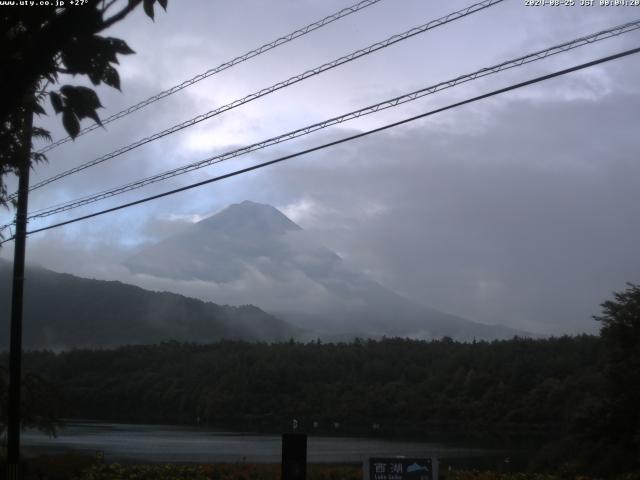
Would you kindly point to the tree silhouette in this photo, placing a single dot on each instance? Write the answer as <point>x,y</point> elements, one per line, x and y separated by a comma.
<point>40,407</point>
<point>39,43</point>
<point>620,332</point>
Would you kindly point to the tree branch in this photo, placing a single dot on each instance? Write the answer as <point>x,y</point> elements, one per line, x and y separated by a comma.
<point>107,6</point>
<point>121,14</point>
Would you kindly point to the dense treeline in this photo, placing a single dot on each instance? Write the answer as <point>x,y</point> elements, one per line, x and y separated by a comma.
<point>532,387</point>
<point>553,389</point>
<point>579,394</point>
<point>402,385</point>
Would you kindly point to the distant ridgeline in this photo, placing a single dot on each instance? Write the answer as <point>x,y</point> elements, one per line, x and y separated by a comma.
<point>308,290</point>
<point>64,311</point>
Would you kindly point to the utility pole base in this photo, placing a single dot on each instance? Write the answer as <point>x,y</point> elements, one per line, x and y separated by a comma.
<point>14,471</point>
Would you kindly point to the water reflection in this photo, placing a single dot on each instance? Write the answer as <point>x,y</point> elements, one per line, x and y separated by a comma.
<point>163,443</point>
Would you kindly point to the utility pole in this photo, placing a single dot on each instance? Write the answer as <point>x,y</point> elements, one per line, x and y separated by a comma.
<point>15,346</point>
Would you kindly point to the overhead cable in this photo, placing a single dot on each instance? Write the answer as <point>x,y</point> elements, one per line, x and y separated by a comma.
<point>340,141</point>
<point>223,66</point>
<point>277,86</point>
<point>393,102</point>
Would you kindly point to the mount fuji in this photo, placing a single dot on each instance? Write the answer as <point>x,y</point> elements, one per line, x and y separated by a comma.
<point>252,253</point>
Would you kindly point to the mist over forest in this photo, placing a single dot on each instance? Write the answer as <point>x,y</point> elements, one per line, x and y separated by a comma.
<point>548,394</point>
<point>385,228</point>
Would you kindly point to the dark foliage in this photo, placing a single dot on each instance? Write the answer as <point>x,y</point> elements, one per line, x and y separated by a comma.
<point>553,391</point>
<point>407,387</point>
<point>578,395</point>
<point>39,44</point>
<point>616,420</point>
<point>40,403</point>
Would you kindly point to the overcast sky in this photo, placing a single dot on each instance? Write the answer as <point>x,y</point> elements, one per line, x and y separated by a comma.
<point>522,210</point>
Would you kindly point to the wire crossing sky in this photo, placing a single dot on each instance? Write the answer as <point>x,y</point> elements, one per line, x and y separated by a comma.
<point>223,66</point>
<point>390,103</point>
<point>516,210</point>
<point>451,17</point>
<point>343,140</point>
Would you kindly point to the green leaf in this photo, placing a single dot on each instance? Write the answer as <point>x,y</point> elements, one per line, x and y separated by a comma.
<point>82,101</point>
<point>38,157</point>
<point>95,77</point>
<point>80,98</point>
<point>37,108</point>
<point>93,115</point>
<point>56,102</point>
<point>110,77</point>
<point>52,76</point>
<point>39,132</point>
<point>71,123</point>
<point>120,46</point>
<point>93,55</point>
<point>163,4</point>
<point>148,8</point>
<point>77,56</point>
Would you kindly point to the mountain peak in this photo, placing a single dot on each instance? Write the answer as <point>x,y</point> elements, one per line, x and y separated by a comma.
<point>252,253</point>
<point>250,216</point>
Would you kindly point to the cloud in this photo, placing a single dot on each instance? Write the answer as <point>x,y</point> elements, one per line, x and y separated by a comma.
<point>519,210</point>
<point>528,224</point>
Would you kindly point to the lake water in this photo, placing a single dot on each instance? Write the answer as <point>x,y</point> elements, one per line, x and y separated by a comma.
<point>162,443</point>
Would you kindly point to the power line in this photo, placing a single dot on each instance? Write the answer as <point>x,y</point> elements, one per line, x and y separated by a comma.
<point>525,59</point>
<point>342,140</point>
<point>223,66</point>
<point>522,60</point>
<point>277,86</point>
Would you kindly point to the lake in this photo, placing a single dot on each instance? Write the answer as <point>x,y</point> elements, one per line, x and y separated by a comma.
<point>164,443</point>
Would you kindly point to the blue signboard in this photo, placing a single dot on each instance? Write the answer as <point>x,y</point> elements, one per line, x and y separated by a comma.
<point>401,469</point>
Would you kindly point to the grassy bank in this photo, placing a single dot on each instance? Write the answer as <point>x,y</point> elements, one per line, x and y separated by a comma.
<point>82,467</point>
<point>272,472</point>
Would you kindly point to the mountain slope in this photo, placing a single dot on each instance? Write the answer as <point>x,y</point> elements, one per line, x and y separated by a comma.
<point>62,311</point>
<point>251,252</point>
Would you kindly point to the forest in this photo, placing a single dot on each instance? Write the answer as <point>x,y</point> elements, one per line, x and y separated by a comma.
<point>577,397</point>
<point>539,389</point>
<point>402,385</point>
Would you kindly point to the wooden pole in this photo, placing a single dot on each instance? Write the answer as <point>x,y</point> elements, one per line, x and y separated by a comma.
<point>15,346</point>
